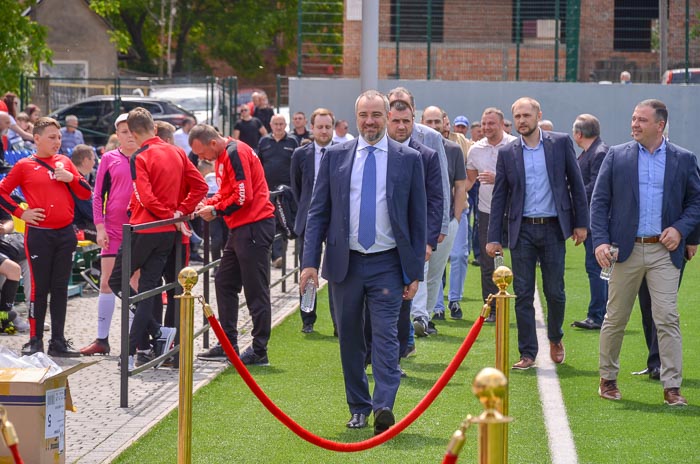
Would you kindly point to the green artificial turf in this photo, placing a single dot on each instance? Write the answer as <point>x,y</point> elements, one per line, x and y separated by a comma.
<point>305,380</point>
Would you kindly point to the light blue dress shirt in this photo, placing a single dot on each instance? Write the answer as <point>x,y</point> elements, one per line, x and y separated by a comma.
<point>651,168</point>
<point>384,238</point>
<point>539,200</point>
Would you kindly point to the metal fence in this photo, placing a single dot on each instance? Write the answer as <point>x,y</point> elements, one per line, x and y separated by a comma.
<point>530,40</point>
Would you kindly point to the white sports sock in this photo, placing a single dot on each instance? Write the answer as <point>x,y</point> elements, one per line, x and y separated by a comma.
<point>105,310</point>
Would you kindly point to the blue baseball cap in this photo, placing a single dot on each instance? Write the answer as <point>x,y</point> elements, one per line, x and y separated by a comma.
<point>461,121</point>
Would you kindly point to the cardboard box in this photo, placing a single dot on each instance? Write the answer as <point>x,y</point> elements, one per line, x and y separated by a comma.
<point>36,404</point>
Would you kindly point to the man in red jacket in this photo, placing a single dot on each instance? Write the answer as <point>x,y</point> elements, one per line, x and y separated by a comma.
<point>50,183</point>
<point>243,200</point>
<point>166,186</point>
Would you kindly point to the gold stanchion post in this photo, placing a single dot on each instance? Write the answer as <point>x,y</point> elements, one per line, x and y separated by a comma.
<point>490,386</point>
<point>188,279</point>
<point>503,277</point>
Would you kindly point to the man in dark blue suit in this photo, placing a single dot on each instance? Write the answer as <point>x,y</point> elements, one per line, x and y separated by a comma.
<point>539,187</point>
<point>586,134</point>
<point>369,204</point>
<point>647,201</point>
<point>306,161</point>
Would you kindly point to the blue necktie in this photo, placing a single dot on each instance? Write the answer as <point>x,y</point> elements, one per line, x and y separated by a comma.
<point>368,202</point>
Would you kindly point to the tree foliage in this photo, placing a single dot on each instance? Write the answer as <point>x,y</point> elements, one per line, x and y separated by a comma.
<point>243,33</point>
<point>22,44</point>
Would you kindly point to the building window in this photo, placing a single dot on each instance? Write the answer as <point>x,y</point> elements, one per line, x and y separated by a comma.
<point>633,24</point>
<point>538,20</point>
<point>409,20</point>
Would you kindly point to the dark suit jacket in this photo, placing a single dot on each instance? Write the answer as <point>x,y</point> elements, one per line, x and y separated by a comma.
<point>302,177</point>
<point>329,212</point>
<point>589,163</point>
<point>615,204</point>
<point>564,180</point>
<point>433,189</point>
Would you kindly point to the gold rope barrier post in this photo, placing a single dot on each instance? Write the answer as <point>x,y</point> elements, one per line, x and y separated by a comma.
<point>491,387</point>
<point>188,279</point>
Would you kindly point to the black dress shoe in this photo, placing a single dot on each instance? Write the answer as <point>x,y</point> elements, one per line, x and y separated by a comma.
<point>357,421</point>
<point>655,373</point>
<point>588,324</point>
<point>383,419</point>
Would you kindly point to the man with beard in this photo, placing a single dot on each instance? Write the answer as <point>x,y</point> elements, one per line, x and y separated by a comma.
<point>369,204</point>
<point>306,161</point>
<point>538,179</point>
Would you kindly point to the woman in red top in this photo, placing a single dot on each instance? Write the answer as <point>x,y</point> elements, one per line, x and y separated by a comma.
<point>48,181</point>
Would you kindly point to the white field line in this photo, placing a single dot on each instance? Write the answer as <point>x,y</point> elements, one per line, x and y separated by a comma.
<point>561,442</point>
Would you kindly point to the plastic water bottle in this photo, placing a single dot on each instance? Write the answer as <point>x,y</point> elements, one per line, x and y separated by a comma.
<point>606,272</point>
<point>309,297</point>
<point>498,260</point>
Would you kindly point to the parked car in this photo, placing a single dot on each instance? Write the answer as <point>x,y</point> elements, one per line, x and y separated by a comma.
<point>96,115</point>
<point>677,76</point>
<point>201,99</point>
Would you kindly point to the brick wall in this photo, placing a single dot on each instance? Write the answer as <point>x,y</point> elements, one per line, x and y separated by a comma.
<point>468,53</point>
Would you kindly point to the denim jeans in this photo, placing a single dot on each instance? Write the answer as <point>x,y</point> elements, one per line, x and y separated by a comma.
<point>543,243</point>
<point>459,259</point>
<point>598,287</point>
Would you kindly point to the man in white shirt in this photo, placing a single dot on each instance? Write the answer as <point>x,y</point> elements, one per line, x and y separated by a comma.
<point>183,133</point>
<point>481,165</point>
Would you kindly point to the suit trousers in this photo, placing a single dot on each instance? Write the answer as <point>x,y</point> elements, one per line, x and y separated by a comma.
<point>485,261</point>
<point>429,289</point>
<point>310,318</point>
<point>543,243</point>
<point>650,260</point>
<point>376,281</point>
<point>597,286</point>
<point>245,264</point>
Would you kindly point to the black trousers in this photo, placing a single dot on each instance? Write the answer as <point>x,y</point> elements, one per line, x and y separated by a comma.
<point>50,253</point>
<point>652,341</point>
<point>485,261</point>
<point>245,264</point>
<point>310,318</point>
<point>149,253</point>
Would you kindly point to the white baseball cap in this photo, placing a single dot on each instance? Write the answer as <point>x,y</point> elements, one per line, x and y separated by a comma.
<point>121,118</point>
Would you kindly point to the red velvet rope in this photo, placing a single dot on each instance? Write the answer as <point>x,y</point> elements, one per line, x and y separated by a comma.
<point>15,454</point>
<point>450,458</point>
<point>362,445</point>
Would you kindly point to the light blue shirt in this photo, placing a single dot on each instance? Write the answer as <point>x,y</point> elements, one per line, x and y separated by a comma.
<point>539,200</point>
<point>384,235</point>
<point>651,168</point>
<point>70,139</point>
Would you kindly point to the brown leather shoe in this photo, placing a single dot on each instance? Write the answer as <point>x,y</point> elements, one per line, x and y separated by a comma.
<point>608,390</point>
<point>557,352</point>
<point>524,364</point>
<point>673,397</point>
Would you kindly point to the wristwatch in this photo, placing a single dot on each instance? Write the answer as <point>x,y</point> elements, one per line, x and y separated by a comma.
<point>213,212</point>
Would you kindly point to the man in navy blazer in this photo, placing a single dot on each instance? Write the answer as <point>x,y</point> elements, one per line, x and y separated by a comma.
<point>647,201</point>
<point>375,232</point>
<point>540,190</point>
<point>306,161</point>
<point>586,132</point>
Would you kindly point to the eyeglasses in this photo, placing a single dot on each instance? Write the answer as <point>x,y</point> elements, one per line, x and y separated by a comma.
<point>245,110</point>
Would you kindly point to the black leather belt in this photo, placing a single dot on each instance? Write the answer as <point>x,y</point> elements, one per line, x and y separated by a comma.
<point>540,220</point>
<point>379,253</point>
<point>653,239</point>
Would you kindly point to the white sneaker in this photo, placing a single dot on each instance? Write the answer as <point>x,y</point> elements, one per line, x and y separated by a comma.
<point>164,342</point>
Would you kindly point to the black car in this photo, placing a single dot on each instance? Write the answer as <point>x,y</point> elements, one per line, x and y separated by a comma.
<point>96,115</point>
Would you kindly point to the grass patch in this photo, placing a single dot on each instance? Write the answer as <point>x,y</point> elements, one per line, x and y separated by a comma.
<point>305,380</point>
